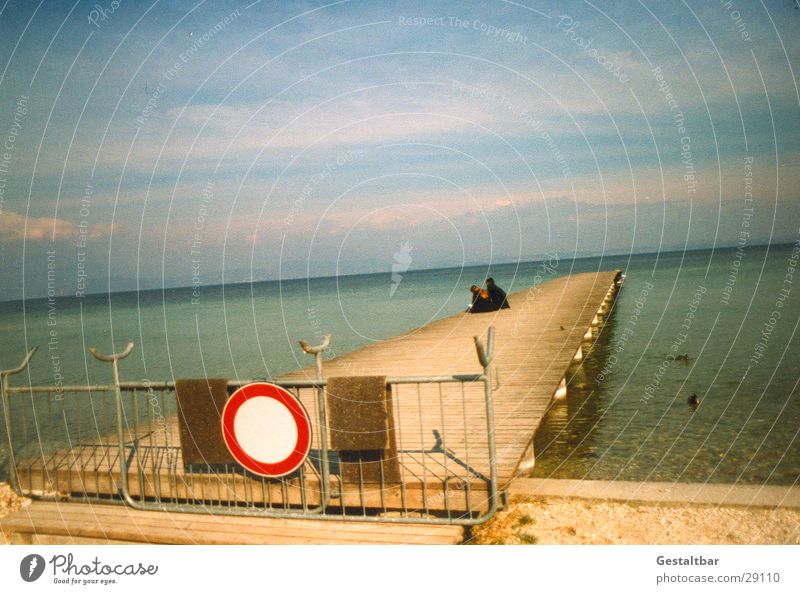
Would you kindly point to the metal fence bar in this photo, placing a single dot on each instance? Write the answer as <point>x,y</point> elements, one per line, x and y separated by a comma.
<point>4,375</point>
<point>297,383</point>
<point>145,453</point>
<point>485,355</point>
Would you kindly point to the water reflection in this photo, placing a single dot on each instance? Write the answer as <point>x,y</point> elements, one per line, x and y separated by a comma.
<point>567,437</point>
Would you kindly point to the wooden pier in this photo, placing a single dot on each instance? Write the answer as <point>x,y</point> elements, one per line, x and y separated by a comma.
<point>545,330</point>
<point>538,339</point>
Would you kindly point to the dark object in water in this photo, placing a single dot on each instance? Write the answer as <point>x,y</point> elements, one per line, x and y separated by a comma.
<point>693,402</point>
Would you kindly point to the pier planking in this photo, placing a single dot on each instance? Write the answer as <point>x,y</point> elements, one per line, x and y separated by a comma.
<point>532,357</point>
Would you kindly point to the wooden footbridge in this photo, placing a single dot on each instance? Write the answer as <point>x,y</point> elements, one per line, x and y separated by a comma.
<point>436,476</point>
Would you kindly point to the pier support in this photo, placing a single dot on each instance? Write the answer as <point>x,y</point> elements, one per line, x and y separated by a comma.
<point>561,391</point>
<point>527,460</point>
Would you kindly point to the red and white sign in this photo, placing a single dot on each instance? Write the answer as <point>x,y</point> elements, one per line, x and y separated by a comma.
<point>266,429</point>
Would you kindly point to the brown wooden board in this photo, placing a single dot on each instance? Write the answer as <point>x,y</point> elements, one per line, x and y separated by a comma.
<point>200,405</point>
<point>358,414</point>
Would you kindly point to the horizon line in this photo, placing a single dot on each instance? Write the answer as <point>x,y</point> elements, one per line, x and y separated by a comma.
<point>354,274</point>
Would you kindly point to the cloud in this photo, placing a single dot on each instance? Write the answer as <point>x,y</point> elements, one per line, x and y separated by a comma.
<point>16,227</point>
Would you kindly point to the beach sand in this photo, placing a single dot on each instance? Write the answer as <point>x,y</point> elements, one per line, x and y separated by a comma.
<point>9,502</point>
<point>582,521</point>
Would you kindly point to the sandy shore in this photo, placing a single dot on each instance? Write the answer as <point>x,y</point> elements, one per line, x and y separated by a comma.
<point>9,502</point>
<point>581,521</point>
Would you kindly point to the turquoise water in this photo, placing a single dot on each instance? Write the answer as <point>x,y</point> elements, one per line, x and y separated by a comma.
<point>626,416</point>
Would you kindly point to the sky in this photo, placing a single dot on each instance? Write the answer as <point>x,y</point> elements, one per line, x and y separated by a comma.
<point>166,144</point>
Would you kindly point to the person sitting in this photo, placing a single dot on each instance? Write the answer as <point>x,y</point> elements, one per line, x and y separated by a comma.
<point>480,301</point>
<point>496,295</point>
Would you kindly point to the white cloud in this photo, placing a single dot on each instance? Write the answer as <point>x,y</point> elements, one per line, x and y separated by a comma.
<point>16,227</point>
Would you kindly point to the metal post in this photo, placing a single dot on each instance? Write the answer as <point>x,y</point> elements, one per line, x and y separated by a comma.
<point>12,463</point>
<point>123,464</point>
<point>324,488</point>
<point>317,352</point>
<point>485,356</point>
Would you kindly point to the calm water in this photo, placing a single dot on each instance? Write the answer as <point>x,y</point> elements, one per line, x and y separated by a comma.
<point>627,415</point>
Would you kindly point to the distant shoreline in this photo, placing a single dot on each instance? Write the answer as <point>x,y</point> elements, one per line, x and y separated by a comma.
<point>412,270</point>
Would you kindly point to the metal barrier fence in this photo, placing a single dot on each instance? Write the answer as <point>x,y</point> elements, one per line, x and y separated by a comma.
<point>121,443</point>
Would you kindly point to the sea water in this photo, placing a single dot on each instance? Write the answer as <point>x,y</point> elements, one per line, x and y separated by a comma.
<point>626,416</point>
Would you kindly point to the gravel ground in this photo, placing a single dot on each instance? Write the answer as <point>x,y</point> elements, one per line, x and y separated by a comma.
<point>9,502</point>
<point>581,521</point>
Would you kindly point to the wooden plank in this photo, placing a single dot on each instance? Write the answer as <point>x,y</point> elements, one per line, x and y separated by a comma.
<point>101,523</point>
<point>411,496</point>
<point>27,538</point>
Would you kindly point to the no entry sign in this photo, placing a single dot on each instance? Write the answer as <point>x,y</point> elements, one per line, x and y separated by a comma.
<point>266,429</point>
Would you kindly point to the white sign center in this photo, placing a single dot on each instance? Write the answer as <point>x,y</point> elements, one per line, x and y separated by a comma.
<point>265,430</point>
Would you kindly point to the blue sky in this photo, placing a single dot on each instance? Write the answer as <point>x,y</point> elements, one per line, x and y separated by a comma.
<point>171,142</point>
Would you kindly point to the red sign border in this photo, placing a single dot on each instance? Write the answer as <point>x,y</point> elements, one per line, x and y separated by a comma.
<point>299,414</point>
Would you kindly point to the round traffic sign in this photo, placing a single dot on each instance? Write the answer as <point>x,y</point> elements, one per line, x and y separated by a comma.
<point>266,430</point>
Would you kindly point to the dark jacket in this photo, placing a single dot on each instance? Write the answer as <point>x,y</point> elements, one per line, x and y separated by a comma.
<point>498,297</point>
<point>481,304</point>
